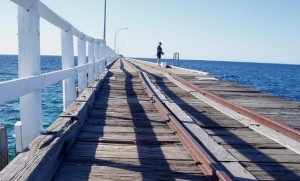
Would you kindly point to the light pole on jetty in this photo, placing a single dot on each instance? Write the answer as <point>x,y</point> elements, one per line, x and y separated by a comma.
<point>104,31</point>
<point>116,36</point>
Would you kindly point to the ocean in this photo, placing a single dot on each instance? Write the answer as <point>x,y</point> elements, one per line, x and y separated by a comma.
<point>51,96</point>
<point>276,79</point>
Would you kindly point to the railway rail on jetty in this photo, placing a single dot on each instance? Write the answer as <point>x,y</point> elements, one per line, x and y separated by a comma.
<point>137,122</point>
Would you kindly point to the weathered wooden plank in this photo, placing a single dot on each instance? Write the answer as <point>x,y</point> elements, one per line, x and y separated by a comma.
<point>271,171</point>
<point>116,97</point>
<point>127,170</point>
<point>100,100</point>
<point>126,108</point>
<point>147,166</point>
<point>266,155</point>
<point>119,121</point>
<point>112,119</point>
<point>44,154</point>
<point>130,138</point>
<point>86,94</point>
<point>94,113</point>
<point>128,151</point>
<point>121,86</point>
<point>97,173</point>
<point>3,147</point>
<point>123,92</point>
<point>116,105</point>
<point>125,130</point>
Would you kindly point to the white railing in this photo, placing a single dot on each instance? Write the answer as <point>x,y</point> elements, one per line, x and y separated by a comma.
<point>30,82</point>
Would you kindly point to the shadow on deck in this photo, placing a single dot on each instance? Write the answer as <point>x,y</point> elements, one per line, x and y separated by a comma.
<point>126,140</point>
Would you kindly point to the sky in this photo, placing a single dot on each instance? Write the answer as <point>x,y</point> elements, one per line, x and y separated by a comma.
<point>230,30</point>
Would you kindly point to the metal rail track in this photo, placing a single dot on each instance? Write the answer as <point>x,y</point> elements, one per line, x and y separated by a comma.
<point>202,158</point>
<point>279,127</point>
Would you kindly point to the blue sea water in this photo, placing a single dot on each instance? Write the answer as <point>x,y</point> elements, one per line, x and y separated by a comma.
<point>276,79</point>
<point>51,96</point>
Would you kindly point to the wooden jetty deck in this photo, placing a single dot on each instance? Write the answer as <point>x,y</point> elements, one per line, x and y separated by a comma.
<point>125,138</point>
<point>261,156</point>
<point>113,131</point>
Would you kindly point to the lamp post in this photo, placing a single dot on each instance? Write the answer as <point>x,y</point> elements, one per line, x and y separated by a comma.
<point>119,47</point>
<point>116,36</point>
<point>104,30</point>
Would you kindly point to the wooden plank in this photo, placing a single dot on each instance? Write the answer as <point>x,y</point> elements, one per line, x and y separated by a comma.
<point>94,113</point>
<point>124,130</point>
<point>3,148</point>
<point>242,138</point>
<point>271,171</point>
<point>115,120</point>
<point>100,100</point>
<point>81,172</point>
<point>99,151</point>
<point>266,155</point>
<point>44,154</point>
<point>110,161</point>
<point>128,138</point>
<point>125,109</point>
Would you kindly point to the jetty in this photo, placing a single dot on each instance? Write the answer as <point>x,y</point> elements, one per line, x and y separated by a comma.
<point>133,120</point>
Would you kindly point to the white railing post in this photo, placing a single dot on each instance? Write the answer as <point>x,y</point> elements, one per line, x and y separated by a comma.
<point>105,55</point>
<point>97,58</point>
<point>102,56</point>
<point>30,82</point>
<point>91,59</point>
<point>82,78</point>
<point>29,65</point>
<point>109,55</point>
<point>68,62</point>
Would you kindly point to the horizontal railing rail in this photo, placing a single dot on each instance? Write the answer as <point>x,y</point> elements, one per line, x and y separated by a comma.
<point>31,81</point>
<point>30,84</point>
<point>55,19</point>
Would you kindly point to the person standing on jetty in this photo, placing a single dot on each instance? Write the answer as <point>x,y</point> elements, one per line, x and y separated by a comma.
<point>159,53</point>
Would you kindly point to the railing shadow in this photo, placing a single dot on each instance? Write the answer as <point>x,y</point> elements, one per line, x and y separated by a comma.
<point>157,167</point>
<point>85,161</point>
<point>82,154</point>
<point>201,118</point>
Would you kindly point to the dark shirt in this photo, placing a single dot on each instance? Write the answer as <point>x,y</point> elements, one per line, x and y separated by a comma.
<point>159,51</point>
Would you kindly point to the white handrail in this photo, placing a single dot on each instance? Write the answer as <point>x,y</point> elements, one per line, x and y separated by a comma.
<point>54,19</point>
<point>33,83</point>
<point>30,82</point>
<point>27,4</point>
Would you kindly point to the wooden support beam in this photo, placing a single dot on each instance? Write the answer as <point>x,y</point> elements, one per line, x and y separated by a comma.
<point>3,148</point>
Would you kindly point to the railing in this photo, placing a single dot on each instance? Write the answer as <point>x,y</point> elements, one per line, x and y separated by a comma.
<point>176,59</point>
<point>30,82</point>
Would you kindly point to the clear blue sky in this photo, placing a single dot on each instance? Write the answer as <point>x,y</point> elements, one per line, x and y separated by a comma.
<point>234,30</point>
